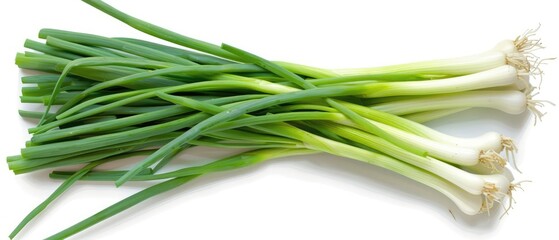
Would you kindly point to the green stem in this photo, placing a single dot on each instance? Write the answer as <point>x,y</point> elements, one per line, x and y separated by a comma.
<point>78,48</point>
<point>34,61</point>
<point>59,191</point>
<point>224,116</point>
<point>160,32</point>
<point>99,41</point>
<point>135,96</point>
<point>57,52</point>
<point>230,163</point>
<point>190,55</point>
<point>295,79</point>
<point>122,205</point>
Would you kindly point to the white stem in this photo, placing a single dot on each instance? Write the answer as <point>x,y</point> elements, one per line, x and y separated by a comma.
<point>471,183</point>
<point>522,84</point>
<point>469,204</point>
<point>513,102</point>
<point>506,47</point>
<point>516,53</point>
<point>496,77</point>
<point>423,117</point>
<point>454,154</point>
<point>467,181</point>
<point>467,152</point>
<point>445,67</point>
<point>486,142</point>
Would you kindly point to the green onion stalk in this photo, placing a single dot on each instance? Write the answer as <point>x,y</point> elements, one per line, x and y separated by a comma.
<point>117,98</point>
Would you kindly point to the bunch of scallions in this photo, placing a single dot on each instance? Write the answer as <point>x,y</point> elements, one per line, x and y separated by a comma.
<point>109,99</point>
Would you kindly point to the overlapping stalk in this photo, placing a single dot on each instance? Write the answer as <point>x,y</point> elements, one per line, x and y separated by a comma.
<point>122,97</point>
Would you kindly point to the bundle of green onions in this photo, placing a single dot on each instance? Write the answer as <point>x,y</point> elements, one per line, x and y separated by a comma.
<point>120,97</point>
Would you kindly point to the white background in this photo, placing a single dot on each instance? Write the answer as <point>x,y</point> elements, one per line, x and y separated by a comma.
<point>318,197</point>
